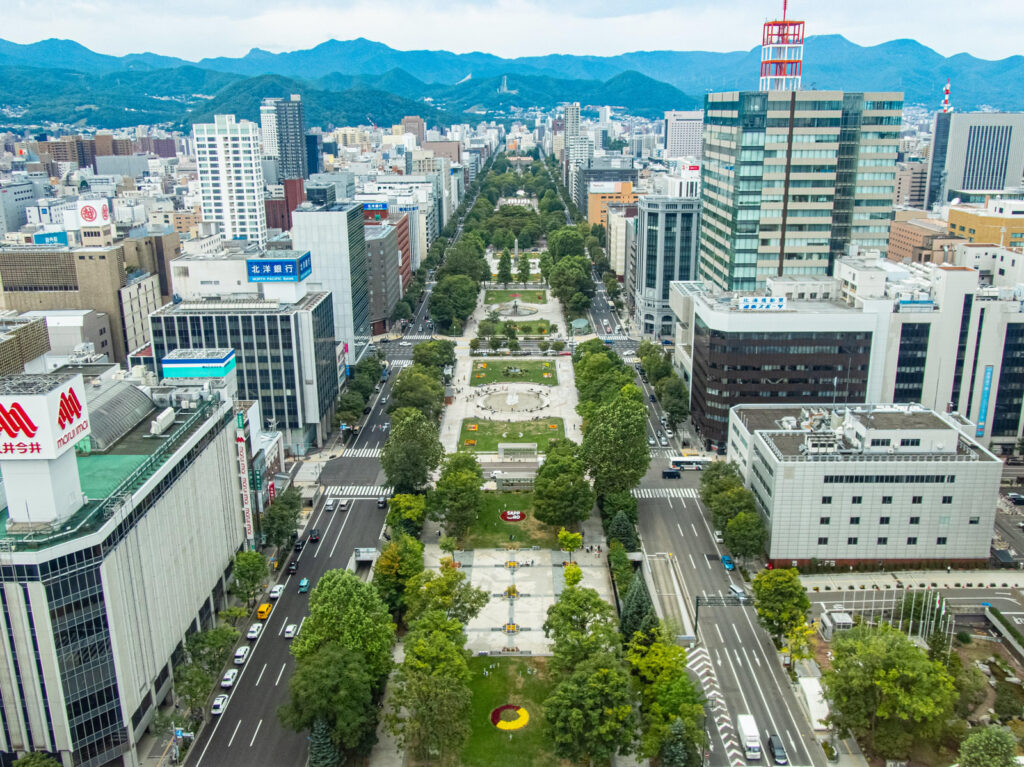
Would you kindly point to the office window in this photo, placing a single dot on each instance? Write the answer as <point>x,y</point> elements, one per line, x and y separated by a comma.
<point>882,541</point>
<point>974,520</point>
<point>854,520</point>
<point>941,540</point>
<point>911,541</point>
<point>883,520</point>
<point>880,442</point>
<point>857,499</point>
<point>824,520</point>
<point>915,520</point>
<point>826,499</point>
<point>947,499</point>
<point>917,499</point>
<point>823,541</point>
<point>886,499</point>
<point>910,442</point>
<point>851,541</point>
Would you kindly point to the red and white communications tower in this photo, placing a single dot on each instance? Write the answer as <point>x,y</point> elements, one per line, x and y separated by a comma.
<point>782,54</point>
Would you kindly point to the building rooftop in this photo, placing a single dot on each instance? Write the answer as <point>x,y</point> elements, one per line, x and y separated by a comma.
<point>244,305</point>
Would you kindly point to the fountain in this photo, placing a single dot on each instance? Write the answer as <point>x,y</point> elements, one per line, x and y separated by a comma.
<point>512,399</point>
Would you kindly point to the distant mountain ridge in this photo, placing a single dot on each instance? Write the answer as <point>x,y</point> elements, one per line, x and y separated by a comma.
<point>830,62</point>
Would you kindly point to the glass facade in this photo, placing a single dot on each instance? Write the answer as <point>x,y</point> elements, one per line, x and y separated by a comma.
<point>1010,393</point>
<point>910,363</point>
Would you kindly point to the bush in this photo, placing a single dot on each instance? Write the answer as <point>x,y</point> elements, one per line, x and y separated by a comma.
<point>1008,703</point>
<point>622,568</point>
<point>963,637</point>
<point>612,503</point>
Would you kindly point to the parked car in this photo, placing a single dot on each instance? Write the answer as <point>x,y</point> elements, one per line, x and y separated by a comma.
<point>299,544</point>
<point>228,680</point>
<point>241,655</point>
<point>277,591</point>
<point>219,704</point>
<point>727,562</point>
<point>718,537</point>
<point>293,567</point>
<point>254,631</point>
<point>314,535</point>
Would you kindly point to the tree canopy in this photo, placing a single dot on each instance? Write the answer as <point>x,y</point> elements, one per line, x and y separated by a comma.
<point>411,451</point>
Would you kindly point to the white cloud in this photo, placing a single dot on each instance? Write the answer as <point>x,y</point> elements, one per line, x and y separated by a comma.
<point>194,29</point>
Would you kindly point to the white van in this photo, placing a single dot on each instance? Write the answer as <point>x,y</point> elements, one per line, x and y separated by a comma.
<point>738,592</point>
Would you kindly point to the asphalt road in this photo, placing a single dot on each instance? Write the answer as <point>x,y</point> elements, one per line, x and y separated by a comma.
<point>741,673</point>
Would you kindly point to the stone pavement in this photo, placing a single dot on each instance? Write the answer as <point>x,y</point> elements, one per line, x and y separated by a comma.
<point>914,579</point>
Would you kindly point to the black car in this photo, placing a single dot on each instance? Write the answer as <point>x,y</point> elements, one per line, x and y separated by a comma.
<point>366,410</point>
<point>293,567</point>
<point>299,544</point>
<point>314,535</point>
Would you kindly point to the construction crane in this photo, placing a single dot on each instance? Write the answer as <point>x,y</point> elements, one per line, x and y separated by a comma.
<point>370,118</point>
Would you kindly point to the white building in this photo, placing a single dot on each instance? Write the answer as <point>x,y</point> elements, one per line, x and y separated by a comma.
<point>684,133</point>
<point>268,128</point>
<point>231,177</point>
<point>887,484</point>
<point>109,561</point>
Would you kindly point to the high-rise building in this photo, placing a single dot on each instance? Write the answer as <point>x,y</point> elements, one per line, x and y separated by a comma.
<point>231,177</point>
<point>268,128</point>
<point>666,250</point>
<point>975,152</point>
<point>415,125</point>
<point>911,185</point>
<point>572,118</point>
<point>684,133</point>
<point>291,138</point>
<point>791,178</point>
<point>382,274</point>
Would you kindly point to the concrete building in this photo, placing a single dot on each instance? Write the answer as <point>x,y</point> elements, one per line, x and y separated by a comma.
<point>619,232</point>
<point>601,194</point>
<point>452,150</point>
<point>153,252</point>
<point>1002,267</point>
<point>109,561</point>
<point>613,169</point>
<point>571,118</point>
<point>15,198</point>
<point>911,190</point>
<point>684,133</point>
<point>231,177</point>
<point>786,186</point>
<point>415,125</point>
<point>999,222</point>
<point>288,136</point>
<point>336,242</point>
<point>975,151</point>
<point>23,340</point>
<point>899,486</point>
<point>666,250</point>
<point>283,339</point>
<point>282,201</point>
<point>385,284</point>
<point>922,241</point>
<point>71,332</point>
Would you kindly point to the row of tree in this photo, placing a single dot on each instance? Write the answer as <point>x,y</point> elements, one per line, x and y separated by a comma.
<point>669,388</point>
<point>421,385</point>
<point>365,375</point>
<point>733,509</point>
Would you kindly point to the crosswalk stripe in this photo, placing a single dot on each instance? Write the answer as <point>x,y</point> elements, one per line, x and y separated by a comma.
<point>358,491</point>
<point>665,492</point>
<point>362,452</point>
<point>399,363</point>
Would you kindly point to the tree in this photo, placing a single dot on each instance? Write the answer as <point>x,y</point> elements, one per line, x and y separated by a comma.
<point>545,264</point>
<point>457,494</point>
<point>674,398</point>
<point>543,345</point>
<point>558,345</point>
<point>612,503</point>
<point>447,591</point>
<point>248,574</point>
<point>431,698</point>
<point>281,519</point>
<point>411,451</point>
<point>333,687</point>
<point>350,407</point>
<point>990,747</point>
<point>399,561</point>
<point>745,534</point>
<point>636,606</point>
<point>580,623</point>
<point>36,759</point>
<point>561,492</point>
<point>798,641</point>
<point>402,311</point>
<point>729,504</point>
<point>210,649</point>
<point>513,345</point>
<point>885,691</point>
<point>569,541</point>
<point>453,297</point>
<point>622,530</point>
<point>572,574</point>
<point>232,615</point>
<point>474,343</point>
<point>614,443</point>
<point>565,242</point>
<point>505,268</point>
<point>192,684</point>
<point>523,265</point>
<point>436,354</point>
<point>780,600</point>
<point>406,513</point>
<point>590,714</point>
<point>346,610</point>
<point>421,388</point>
<point>322,751</point>
<point>675,752</point>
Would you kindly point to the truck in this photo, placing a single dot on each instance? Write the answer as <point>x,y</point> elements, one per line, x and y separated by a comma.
<point>749,737</point>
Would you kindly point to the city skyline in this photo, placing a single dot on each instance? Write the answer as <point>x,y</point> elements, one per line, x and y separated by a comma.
<point>600,28</point>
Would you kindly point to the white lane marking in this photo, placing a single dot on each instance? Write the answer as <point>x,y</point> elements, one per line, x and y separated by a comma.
<point>234,732</point>
<point>323,535</point>
<point>720,637</point>
<point>261,675</point>
<point>694,529</point>
<point>348,515</point>
<point>692,563</point>
<point>255,733</point>
<point>279,673</point>
<point>680,529</point>
<point>283,624</point>
<point>670,503</point>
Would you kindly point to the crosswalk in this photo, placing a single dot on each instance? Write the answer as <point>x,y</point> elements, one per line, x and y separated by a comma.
<point>417,337</point>
<point>362,452</point>
<point>665,492</point>
<point>358,491</point>
<point>699,662</point>
<point>399,363</point>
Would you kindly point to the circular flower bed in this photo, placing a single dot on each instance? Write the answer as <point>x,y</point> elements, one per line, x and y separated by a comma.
<point>513,515</point>
<point>522,717</point>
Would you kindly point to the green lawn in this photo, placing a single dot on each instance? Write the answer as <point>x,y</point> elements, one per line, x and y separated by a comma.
<point>526,296</point>
<point>489,433</point>
<point>499,371</point>
<point>490,531</point>
<point>508,682</point>
<point>525,326</point>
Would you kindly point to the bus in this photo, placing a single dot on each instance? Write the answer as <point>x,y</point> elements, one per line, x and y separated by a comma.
<point>697,462</point>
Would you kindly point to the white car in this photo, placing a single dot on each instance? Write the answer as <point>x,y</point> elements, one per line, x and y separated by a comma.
<point>290,631</point>
<point>405,343</point>
<point>277,591</point>
<point>228,680</point>
<point>219,704</point>
<point>669,433</point>
<point>254,631</point>
<point>241,655</point>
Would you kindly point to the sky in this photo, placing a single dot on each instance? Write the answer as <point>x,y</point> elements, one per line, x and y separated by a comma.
<point>193,29</point>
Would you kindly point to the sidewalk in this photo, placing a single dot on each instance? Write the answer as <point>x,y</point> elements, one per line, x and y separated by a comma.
<point>386,752</point>
<point>914,579</point>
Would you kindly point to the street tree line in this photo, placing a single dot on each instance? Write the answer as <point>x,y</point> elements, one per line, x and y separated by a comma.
<point>669,388</point>
<point>733,509</point>
<point>421,385</point>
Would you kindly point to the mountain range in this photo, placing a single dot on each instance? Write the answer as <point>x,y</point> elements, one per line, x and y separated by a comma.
<point>346,82</point>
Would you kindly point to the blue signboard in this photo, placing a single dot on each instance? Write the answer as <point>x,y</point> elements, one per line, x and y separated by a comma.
<point>986,389</point>
<point>50,238</point>
<point>279,269</point>
<point>375,206</point>
<point>409,209</point>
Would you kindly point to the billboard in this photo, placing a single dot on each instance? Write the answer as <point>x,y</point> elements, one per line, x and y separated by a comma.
<point>93,212</point>
<point>375,206</point>
<point>50,238</point>
<point>762,303</point>
<point>986,393</point>
<point>43,426</point>
<point>279,269</point>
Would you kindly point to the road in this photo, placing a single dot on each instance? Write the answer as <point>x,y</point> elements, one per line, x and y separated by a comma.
<point>735,662</point>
